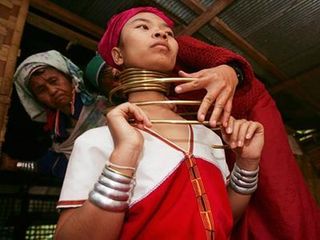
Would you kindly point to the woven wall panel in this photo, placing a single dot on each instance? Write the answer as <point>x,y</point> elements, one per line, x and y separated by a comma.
<point>3,31</point>
<point>12,18</point>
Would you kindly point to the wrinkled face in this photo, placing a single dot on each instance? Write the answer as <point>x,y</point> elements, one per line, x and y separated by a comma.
<point>52,88</point>
<point>146,42</point>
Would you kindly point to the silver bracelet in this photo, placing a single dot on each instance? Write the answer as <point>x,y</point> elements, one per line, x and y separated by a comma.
<point>115,185</point>
<point>243,178</point>
<point>111,193</point>
<point>244,172</point>
<point>27,166</point>
<point>111,164</point>
<point>106,203</point>
<point>244,181</point>
<point>115,176</point>
<point>242,190</point>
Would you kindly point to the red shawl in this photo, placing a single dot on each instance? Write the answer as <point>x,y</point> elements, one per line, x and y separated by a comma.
<point>282,207</point>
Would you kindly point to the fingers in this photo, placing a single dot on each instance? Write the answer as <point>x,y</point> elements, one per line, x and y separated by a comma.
<point>220,85</point>
<point>184,74</point>
<point>128,112</point>
<point>254,128</point>
<point>227,131</point>
<point>219,107</point>
<point>246,139</point>
<point>140,118</point>
<point>239,131</point>
<point>204,107</point>
<point>189,86</point>
<point>222,106</point>
<point>226,112</point>
<point>235,136</point>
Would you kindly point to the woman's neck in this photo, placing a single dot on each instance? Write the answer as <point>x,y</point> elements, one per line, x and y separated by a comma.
<point>141,96</point>
<point>150,91</point>
<point>154,110</point>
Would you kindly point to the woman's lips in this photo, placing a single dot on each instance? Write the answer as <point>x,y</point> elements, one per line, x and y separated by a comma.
<point>161,45</point>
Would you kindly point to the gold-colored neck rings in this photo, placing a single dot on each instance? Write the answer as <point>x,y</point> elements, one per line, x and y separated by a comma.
<point>136,80</point>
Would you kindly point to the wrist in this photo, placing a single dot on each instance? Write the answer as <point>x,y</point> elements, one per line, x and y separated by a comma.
<point>112,191</point>
<point>239,72</point>
<point>125,156</point>
<point>243,181</point>
<point>248,164</point>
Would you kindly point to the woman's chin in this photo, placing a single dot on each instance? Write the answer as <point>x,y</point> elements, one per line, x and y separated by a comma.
<point>158,67</point>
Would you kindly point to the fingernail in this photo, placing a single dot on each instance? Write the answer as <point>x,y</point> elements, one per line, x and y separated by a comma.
<point>248,136</point>
<point>229,130</point>
<point>239,143</point>
<point>201,118</point>
<point>213,123</point>
<point>178,89</point>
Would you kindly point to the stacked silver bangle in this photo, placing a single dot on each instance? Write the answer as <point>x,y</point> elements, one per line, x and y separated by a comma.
<point>112,191</point>
<point>244,181</point>
<point>27,166</point>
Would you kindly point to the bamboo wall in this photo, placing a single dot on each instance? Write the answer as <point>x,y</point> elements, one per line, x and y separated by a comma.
<point>13,15</point>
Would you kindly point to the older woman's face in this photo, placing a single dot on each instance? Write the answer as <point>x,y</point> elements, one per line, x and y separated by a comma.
<point>147,42</point>
<point>52,88</point>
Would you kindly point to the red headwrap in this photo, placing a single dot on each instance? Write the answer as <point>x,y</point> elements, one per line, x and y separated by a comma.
<point>110,38</point>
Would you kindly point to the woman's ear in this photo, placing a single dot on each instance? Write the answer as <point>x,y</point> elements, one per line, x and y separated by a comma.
<point>117,56</point>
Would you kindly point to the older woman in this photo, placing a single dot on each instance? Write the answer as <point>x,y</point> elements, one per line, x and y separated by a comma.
<point>51,90</point>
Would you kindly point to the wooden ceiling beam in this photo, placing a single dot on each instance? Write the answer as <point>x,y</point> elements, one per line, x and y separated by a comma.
<point>292,85</point>
<point>305,76</point>
<point>262,60</point>
<point>69,17</point>
<point>224,29</point>
<point>205,16</point>
<point>61,31</point>
<point>304,96</point>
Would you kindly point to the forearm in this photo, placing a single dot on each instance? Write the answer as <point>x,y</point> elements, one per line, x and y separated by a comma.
<point>89,222</point>
<point>126,156</point>
<point>240,195</point>
<point>238,202</point>
<point>101,216</point>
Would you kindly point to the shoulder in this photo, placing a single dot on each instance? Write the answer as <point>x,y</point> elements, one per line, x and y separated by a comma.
<point>95,136</point>
<point>206,134</point>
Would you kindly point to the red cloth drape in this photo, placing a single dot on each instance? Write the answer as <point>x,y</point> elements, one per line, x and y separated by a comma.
<point>282,207</point>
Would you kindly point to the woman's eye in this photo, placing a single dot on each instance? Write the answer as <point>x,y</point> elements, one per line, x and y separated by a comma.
<point>143,26</point>
<point>53,80</point>
<point>38,90</point>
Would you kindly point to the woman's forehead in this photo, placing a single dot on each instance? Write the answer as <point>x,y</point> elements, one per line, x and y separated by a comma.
<point>46,73</point>
<point>146,17</point>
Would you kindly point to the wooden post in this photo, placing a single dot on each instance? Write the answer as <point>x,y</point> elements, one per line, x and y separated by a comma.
<point>13,15</point>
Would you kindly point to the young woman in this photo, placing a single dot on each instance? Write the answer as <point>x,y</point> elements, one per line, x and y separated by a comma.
<point>251,100</point>
<point>154,181</point>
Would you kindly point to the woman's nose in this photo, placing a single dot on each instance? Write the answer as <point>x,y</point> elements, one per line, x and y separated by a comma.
<point>51,90</point>
<point>160,34</point>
